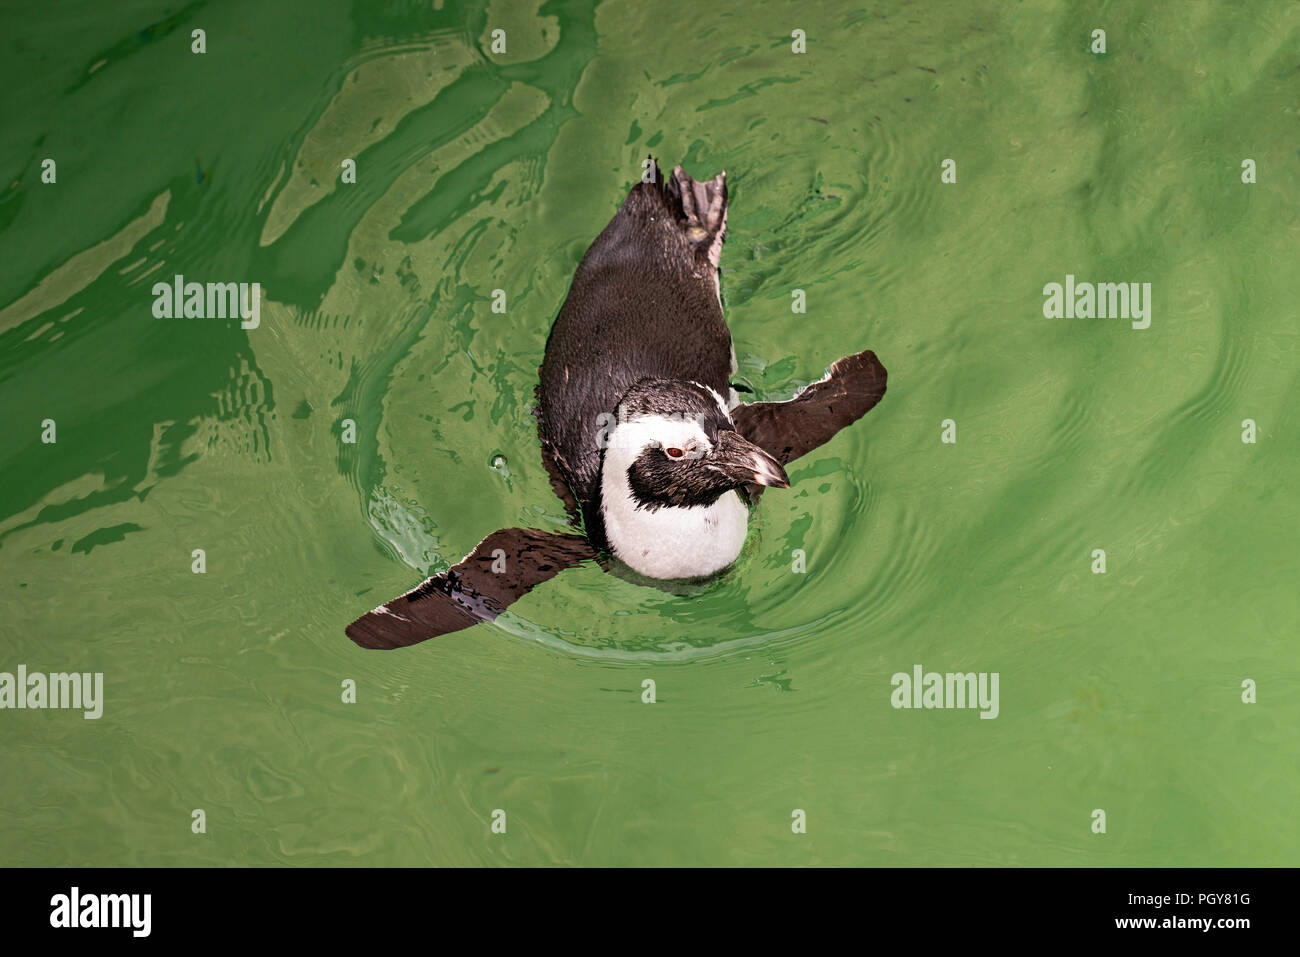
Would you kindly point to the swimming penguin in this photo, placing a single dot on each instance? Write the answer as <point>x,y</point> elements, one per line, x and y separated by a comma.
<point>644,438</point>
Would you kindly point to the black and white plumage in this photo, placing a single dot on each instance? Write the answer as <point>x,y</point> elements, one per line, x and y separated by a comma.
<point>643,304</point>
<point>640,429</point>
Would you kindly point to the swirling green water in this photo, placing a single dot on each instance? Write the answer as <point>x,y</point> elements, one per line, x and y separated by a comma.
<point>479,171</point>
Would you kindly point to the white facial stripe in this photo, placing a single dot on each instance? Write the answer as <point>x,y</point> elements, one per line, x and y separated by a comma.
<point>722,406</point>
<point>670,542</point>
<point>630,437</point>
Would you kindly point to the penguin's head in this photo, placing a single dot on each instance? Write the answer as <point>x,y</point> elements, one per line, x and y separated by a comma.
<point>676,447</point>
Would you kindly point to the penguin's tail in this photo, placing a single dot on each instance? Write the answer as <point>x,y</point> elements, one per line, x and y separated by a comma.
<point>701,209</point>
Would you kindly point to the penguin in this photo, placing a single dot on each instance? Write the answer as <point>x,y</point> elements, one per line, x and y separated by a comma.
<point>643,436</point>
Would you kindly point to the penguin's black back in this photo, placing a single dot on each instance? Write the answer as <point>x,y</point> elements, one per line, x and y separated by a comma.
<point>642,305</point>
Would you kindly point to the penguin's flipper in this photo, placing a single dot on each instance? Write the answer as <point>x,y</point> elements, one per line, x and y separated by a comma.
<point>503,568</point>
<point>788,430</point>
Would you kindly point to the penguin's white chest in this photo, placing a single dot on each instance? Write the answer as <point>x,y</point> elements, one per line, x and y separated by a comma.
<point>673,542</point>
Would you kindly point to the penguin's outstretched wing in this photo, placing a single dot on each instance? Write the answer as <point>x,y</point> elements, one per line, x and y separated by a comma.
<point>503,568</point>
<point>787,430</point>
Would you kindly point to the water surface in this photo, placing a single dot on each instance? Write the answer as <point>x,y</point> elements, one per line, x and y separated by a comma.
<point>479,171</point>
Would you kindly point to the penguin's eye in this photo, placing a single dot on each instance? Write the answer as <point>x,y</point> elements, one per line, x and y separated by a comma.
<point>674,453</point>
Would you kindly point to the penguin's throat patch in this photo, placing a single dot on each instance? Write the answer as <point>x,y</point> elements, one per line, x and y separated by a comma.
<point>656,480</point>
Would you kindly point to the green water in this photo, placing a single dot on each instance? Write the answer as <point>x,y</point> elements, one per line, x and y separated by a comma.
<point>477,171</point>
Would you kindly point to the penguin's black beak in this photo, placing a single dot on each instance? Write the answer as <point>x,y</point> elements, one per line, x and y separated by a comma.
<point>745,463</point>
